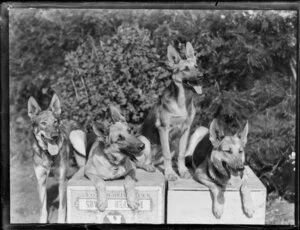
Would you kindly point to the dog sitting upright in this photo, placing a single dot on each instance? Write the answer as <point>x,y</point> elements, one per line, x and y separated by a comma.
<point>173,115</point>
<point>218,161</point>
<point>52,148</point>
<point>111,157</point>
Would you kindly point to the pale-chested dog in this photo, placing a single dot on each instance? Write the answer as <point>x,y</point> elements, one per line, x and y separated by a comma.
<point>218,160</point>
<point>112,157</point>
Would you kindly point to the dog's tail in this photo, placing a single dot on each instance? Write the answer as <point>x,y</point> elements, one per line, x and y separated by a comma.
<point>78,140</point>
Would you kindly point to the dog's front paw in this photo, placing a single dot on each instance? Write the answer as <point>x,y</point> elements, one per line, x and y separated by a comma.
<point>43,220</point>
<point>61,220</point>
<point>171,176</point>
<point>102,204</point>
<point>150,168</point>
<point>185,174</point>
<point>133,204</point>
<point>218,211</point>
<point>249,210</point>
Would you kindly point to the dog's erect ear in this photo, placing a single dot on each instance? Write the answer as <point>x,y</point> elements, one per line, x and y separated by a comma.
<point>243,134</point>
<point>173,56</point>
<point>116,115</point>
<point>100,131</point>
<point>55,105</point>
<point>189,52</point>
<point>216,133</point>
<point>33,107</point>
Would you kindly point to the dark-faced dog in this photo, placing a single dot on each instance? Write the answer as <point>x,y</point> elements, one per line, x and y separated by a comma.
<point>173,115</point>
<point>218,160</point>
<point>52,150</point>
<point>111,157</point>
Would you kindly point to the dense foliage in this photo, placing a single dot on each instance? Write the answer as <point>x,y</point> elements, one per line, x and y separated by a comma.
<point>93,58</point>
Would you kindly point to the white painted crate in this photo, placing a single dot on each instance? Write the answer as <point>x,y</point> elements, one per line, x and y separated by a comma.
<point>81,200</point>
<point>190,202</point>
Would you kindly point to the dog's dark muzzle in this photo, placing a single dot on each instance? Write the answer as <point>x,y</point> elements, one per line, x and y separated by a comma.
<point>233,168</point>
<point>240,168</point>
<point>53,139</point>
<point>196,80</point>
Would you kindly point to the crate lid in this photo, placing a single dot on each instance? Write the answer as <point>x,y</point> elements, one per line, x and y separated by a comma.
<point>144,179</point>
<point>192,185</point>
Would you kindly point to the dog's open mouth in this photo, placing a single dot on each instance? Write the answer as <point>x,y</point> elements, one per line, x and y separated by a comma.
<point>230,170</point>
<point>52,141</point>
<point>132,153</point>
<point>52,145</point>
<point>194,83</point>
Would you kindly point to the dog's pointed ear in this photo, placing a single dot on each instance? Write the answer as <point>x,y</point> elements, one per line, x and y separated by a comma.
<point>100,131</point>
<point>116,115</point>
<point>55,106</point>
<point>173,56</point>
<point>189,52</point>
<point>216,133</point>
<point>33,107</point>
<point>243,134</point>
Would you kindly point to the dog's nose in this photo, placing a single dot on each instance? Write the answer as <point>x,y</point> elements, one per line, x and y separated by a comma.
<point>55,137</point>
<point>141,147</point>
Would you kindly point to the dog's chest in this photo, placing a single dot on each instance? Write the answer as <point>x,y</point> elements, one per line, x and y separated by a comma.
<point>178,123</point>
<point>108,171</point>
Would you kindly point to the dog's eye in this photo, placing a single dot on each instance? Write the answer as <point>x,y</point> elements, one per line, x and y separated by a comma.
<point>43,123</point>
<point>241,151</point>
<point>121,138</point>
<point>228,151</point>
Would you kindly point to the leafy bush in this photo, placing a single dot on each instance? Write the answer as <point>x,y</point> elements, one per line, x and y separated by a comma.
<point>121,70</point>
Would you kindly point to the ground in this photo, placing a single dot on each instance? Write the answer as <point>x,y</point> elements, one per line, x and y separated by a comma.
<point>25,203</point>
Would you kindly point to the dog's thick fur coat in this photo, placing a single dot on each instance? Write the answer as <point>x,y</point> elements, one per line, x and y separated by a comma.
<point>111,157</point>
<point>174,113</point>
<point>218,160</point>
<point>52,149</point>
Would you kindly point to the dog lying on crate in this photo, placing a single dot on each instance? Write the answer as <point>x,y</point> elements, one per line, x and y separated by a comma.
<point>218,161</point>
<point>112,156</point>
<point>173,115</point>
<point>52,150</point>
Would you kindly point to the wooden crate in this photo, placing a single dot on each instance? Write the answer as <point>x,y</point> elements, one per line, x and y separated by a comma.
<point>81,200</point>
<point>190,202</point>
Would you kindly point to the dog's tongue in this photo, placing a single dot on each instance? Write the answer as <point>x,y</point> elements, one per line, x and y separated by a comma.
<point>198,89</point>
<point>53,149</point>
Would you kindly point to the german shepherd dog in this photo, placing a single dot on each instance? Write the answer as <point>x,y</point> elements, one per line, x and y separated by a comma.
<point>111,157</point>
<point>218,161</point>
<point>173,115</point>
<point>52,149</point>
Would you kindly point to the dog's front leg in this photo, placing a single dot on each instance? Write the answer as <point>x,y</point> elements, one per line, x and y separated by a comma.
<point>247,202</point>
<point>99,183</point>
<point>145,160</point>
<point>170,175</point>
<point>182,169</point>
<point>42,176</point>
<point>62,194</point>
<point>217,193</point>
<point>131,194</point>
